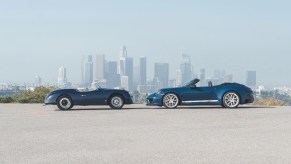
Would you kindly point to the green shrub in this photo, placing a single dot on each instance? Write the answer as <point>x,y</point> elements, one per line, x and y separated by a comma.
<point>6,99</point>
<point>270,102</point>
<point>36,96</point>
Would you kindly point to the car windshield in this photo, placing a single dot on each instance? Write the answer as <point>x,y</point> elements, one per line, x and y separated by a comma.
<point>191,82</point>
<point>92,88</point>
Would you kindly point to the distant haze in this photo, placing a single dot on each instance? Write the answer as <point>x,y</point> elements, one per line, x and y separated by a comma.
<point>37,37</point>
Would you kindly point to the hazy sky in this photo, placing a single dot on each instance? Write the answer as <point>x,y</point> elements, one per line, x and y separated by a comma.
<point>37,37</point>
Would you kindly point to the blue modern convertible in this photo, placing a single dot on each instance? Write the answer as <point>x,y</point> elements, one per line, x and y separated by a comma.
<point>228,95</point>
<point>65,99</point>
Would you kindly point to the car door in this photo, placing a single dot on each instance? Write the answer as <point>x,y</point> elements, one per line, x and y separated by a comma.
<point>93,97</point>
<point>199,95</point>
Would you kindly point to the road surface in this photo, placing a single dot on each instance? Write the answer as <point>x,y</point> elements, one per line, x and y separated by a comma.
<point>32,133</point>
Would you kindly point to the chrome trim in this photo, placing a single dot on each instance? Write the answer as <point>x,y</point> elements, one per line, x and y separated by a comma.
<point>197,101</point>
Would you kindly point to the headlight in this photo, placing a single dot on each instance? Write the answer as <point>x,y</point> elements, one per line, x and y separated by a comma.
<point>160,93</point>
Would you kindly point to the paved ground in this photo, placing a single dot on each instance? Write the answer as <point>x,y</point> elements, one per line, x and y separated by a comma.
<point>32,133</point>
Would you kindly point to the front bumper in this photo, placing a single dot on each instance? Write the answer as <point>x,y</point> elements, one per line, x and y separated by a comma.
<point>50,99</point>
<point>154,100</point>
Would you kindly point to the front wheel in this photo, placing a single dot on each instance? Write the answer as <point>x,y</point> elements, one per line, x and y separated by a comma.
<point>64,103</point>
<point>231,100</point>
<point>170,101</point>
<point>116,102</point>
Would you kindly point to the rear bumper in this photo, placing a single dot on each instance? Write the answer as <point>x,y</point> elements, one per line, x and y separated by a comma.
<point>249,99</point>
<point>128,101</point>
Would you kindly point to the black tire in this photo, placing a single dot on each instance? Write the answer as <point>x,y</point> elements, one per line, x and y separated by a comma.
<point>116,102</point>
<point>170,101</point>
<point>231,100</point>
<point>64,103</point>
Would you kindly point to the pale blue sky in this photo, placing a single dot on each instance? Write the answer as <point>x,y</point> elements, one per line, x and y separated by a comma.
<point>36,37</point>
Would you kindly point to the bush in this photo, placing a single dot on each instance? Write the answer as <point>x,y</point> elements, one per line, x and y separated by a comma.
<point>6,99</point>
<point>270,102</point>
<point>36,96</point>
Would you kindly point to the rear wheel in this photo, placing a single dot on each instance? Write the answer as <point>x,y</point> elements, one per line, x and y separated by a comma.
<point>116,102</point>
<point>170,101</point>
<point>64,103</point>
<point>231,100</point>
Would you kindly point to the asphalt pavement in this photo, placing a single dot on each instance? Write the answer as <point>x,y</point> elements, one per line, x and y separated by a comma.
<point>32,133</point>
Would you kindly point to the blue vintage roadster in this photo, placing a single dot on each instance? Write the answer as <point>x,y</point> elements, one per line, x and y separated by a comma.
<point>65,99</point>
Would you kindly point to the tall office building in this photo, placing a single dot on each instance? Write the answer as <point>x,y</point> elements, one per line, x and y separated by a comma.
<point>202,74</point>
<point>83,58</point>
<point>62,79</point>
<point>129,72</point>
<point>88,71</point>
<point>251,80</point>
<point>142,70</point>
<point>100,67</point>
<point>179,78</point>
<point>111,75</point>
<point>126,67</point>
<point>186,69</point>
<point>122,59</point>
<point>38,81</point>
<point>162,74</point>
<point>124,82</point>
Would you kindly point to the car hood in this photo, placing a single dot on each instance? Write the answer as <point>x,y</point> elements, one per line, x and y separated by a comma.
<point>62,91</point>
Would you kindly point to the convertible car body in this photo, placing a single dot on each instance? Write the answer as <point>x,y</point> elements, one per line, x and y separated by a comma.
<point>228,95</point>
<point>66,98</point>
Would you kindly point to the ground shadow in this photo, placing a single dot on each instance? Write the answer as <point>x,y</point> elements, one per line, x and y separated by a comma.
<point>219,107</point>
<point>144,107</point>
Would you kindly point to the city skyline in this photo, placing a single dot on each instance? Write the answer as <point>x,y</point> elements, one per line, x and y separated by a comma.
<point>97,69</point>
<point>110,74</point>
<point>37,37</point>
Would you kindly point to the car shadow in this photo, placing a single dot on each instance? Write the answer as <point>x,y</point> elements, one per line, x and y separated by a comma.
<point>219,107</point>
<point>144,107</point>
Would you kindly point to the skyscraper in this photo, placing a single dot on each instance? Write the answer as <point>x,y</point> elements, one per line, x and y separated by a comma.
<point>124,82</point>
<point>142,70</point>
<point>111,75</point>
<point>251,80</point>
<point>38,81</point>
<point>162,74</point>
<point>88,71</point>
<point>202,74</point>
<point>126,68</point>
<point>99,67</point>
<point>122,58</point>
<point>129,72</point>
<point>62,79</point>
<point>83,58</point>
<point>186,69</point>
<point>178,78</point>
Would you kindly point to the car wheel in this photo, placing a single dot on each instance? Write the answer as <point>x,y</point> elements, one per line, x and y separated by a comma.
<point>231,100</point>
<point>170,101</point>
<point>64,103</point>
<point>116,102</point>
